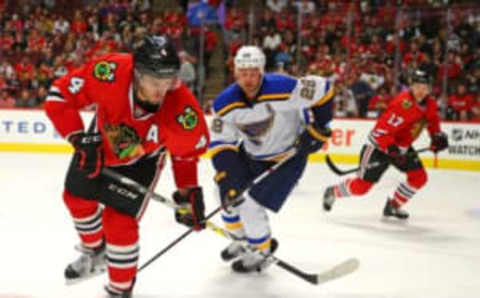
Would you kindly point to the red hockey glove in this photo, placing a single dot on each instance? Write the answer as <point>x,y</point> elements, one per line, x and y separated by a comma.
<point>89,151</point>
<point>395,155</point>
<point>192,199</point>
<point>439,142</point>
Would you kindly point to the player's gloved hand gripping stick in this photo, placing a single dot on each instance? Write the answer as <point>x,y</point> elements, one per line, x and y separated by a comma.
<point>142,189</point>
<point>337,271</point>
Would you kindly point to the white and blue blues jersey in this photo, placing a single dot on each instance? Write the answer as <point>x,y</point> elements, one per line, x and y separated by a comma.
<point>268,125</point>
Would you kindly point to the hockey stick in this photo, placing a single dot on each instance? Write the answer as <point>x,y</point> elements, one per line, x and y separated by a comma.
<point>340,172</point>
<point>335,272</point>
<point>142,189</point>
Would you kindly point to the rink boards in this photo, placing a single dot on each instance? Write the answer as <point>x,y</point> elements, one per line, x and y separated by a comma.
<point>31,131</point>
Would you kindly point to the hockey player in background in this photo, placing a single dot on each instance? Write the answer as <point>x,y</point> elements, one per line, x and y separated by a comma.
<point>259,120</point>
<point>142,111</point>
<point>390,143</point>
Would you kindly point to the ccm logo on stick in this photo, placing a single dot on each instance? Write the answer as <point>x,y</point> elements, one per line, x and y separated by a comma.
<point>123,191</point>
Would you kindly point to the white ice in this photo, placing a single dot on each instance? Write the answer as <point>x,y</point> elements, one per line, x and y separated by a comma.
<point>435,254</point>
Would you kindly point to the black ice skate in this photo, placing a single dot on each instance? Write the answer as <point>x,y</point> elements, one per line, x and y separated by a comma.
<point>254,260</point>
<point>328,198</point>
<point>390,210</point>
<point>113,293</point>
<point>90,263</point>
<point>233,251</point>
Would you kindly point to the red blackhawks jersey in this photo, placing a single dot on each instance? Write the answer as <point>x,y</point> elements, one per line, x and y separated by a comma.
<point>403,121</point>
<point>128,131</point>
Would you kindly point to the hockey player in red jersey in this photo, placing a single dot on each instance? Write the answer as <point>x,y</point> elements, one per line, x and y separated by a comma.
<point>390,142</point>
<point>142,112</point>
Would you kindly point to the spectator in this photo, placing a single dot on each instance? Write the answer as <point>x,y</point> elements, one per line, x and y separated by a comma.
<point>6,101</point>
<point>460,104</point>
<point>79,25</point>
<point>24,71</point>
<point>26,100</point>
<point>476,109</point>
<point>305,6</point>
<point>277,5</point>
<point>41,95</point>
<point>61,25</point>
<point>378,104</point>
<point>6,70</point>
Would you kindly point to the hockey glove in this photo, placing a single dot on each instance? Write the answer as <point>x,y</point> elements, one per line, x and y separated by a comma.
<point>439,142</point>
<point>193,215</point>
<point>396,156</point>
<point>228,190</point>
<point>312,139</point>
<point>89,151</point>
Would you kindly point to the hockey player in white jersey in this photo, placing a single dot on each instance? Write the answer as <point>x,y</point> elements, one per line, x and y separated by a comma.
<point>259,120</point>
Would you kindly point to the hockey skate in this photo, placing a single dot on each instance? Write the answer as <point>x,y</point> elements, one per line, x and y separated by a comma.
<point>254,260</point>
<point>233,251</point>
<point>90,263</point>
<point>390,210</point>
<point>112,293</point>
<point>328,198</point>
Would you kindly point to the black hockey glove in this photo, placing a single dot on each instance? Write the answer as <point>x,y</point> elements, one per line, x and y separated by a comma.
<point>193,215</point>
<point>312,139</point>
<point>228,190</point>
<point>439,142</point>
<point>89,151</point>
<point>396,156</point>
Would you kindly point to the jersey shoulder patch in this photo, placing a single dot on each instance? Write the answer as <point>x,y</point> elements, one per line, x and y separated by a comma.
<point>403,101</point>
<point>230,99</point>
<point>276,87</point>
<point>107,68</point>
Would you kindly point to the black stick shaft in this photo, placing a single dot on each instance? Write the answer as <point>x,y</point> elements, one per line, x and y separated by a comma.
<point>142,189</point>
<point>340,172</point>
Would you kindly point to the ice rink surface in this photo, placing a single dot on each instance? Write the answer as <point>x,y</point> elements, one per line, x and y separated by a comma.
<point>435,254</point>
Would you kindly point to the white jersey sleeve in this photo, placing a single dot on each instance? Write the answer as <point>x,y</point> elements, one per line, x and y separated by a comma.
<point>310,91</point>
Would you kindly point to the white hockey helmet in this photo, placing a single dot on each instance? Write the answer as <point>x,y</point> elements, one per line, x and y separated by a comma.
<point>250,57</point>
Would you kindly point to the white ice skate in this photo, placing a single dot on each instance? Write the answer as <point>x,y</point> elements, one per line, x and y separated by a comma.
<point>233,251</point>
<point>90,263</point>
<point>255,260</point>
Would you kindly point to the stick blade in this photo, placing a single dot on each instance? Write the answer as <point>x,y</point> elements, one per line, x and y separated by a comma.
<point>338,271</point>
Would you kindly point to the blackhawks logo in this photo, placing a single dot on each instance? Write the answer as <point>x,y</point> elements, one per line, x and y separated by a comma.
<point>189,119</point>
<point>105,71</point>
<point>406,104</point>
<point>124,140</point>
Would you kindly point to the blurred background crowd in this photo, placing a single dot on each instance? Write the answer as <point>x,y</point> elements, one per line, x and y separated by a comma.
<point>369,47</point>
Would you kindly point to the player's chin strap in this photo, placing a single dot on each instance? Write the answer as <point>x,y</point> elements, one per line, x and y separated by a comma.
<point>156,197</point>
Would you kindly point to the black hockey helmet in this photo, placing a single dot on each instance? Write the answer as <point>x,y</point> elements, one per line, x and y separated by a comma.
<point>421,76</point>
<point>156,56</point>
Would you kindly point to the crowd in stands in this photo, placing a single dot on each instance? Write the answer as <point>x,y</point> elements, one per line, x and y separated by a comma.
<point>43,40</point>
<point>369,46</point>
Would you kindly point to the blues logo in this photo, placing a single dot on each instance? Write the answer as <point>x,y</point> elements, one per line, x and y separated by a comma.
<point>256,130</point>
